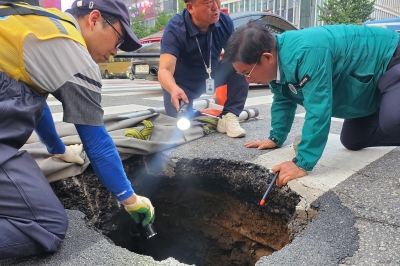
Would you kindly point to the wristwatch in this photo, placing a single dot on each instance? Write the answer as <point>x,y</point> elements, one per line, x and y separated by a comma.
<point>274,140</point>
<point>295,162</point>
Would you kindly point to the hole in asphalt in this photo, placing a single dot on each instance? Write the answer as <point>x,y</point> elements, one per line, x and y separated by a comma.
<point>207,211</point>
<point>208,214</point>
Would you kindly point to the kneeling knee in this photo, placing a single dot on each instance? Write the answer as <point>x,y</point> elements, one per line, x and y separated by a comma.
<point>350,144</point>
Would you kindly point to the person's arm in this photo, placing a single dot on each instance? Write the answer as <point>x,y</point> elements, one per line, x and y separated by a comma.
<point>317,93</point>
<point>47,134</point>
<point>170,49</point>
<point>166,78</point>
<point>105,160</point>
<point>282,116</point>
<point>318,105</point>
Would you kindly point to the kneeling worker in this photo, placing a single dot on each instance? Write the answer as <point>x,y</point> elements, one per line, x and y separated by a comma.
<point>47,51</point>
<point>189,63</point>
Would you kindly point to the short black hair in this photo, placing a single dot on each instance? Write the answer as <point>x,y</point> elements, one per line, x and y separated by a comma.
<point>248,43</point>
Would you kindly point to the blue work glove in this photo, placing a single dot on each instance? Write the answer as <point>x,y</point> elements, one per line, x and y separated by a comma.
<point>141,206</point>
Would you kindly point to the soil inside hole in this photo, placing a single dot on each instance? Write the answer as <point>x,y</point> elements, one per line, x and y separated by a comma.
<point>197,222</point>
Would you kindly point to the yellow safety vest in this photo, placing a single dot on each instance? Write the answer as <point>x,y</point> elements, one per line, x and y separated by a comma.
<point>15,28</point>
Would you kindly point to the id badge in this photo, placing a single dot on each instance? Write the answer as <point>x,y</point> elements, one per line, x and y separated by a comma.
<point>210,88</point>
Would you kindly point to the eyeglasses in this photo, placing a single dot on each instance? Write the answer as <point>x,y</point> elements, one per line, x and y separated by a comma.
<point>248,75</point>
<point>120,38</point>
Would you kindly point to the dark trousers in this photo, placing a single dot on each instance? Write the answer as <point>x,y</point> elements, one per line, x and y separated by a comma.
<point>238,89</point>
<point>32,219</point>
<point>383,127</point>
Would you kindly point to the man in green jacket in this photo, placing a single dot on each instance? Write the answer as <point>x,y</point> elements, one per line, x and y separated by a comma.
<point>344,71</point>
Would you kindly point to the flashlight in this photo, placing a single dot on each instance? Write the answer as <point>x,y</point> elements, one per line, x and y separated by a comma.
<point>149,229</point>
<point>262,202</point>
<point>183,122</point>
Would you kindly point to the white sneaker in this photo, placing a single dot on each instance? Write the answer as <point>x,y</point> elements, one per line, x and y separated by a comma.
<point>229,124</point>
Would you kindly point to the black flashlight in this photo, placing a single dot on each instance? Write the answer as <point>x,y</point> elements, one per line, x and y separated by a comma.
<point>182,120</point>
<point>149,229</point>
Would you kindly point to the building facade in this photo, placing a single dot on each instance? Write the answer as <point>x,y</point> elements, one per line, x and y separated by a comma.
<point>385,9</point>
<point>305,13</point>
<point>150,8</point>
<point>302,13</point>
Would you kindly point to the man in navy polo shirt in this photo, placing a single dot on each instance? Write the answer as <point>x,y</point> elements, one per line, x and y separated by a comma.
<point>190,49</point>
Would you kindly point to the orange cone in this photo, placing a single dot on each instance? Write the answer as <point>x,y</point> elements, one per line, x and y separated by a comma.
<point>220,94</point>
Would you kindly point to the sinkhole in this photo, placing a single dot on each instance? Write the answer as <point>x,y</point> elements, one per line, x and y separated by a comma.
<point>207,211</point>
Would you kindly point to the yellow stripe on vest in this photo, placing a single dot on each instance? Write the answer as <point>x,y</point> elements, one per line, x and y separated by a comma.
<point>15,28</point>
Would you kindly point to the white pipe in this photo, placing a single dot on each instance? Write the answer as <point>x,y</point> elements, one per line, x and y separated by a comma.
<point>203,103</point>
<point>287,10</point>
<point>216,106</point>
<point>274,7</point>
<point>247,114</point>
<point>299,13</point>
<point>198,105</point>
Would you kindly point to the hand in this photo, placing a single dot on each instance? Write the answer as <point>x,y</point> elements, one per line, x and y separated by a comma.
<point>288,171</point>
<point>177,95</point>
<point>142,205</point>
<point>72,154</point>
<point>261,144</point>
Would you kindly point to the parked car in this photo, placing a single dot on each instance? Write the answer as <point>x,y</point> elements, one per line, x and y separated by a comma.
<point>146,60</point>
<point>115,67</point>
<point>129,73</point>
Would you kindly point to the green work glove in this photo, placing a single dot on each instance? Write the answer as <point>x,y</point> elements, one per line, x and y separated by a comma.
<point>141,206</point>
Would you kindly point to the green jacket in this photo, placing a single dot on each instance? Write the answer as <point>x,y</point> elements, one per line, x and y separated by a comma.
<point>332,71</point>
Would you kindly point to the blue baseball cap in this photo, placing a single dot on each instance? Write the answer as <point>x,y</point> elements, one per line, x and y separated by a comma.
<point>118,9</point>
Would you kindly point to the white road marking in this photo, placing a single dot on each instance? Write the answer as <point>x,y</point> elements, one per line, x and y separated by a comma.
<point>129,93</point>
<point>259,100</point>
<point>332,118</point>
<point>159,98</point>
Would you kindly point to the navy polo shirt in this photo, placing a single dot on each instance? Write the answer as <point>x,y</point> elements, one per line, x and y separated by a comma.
<point>179,39</point>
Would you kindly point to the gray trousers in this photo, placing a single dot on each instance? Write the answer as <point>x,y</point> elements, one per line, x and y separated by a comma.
<point>32,219</point>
